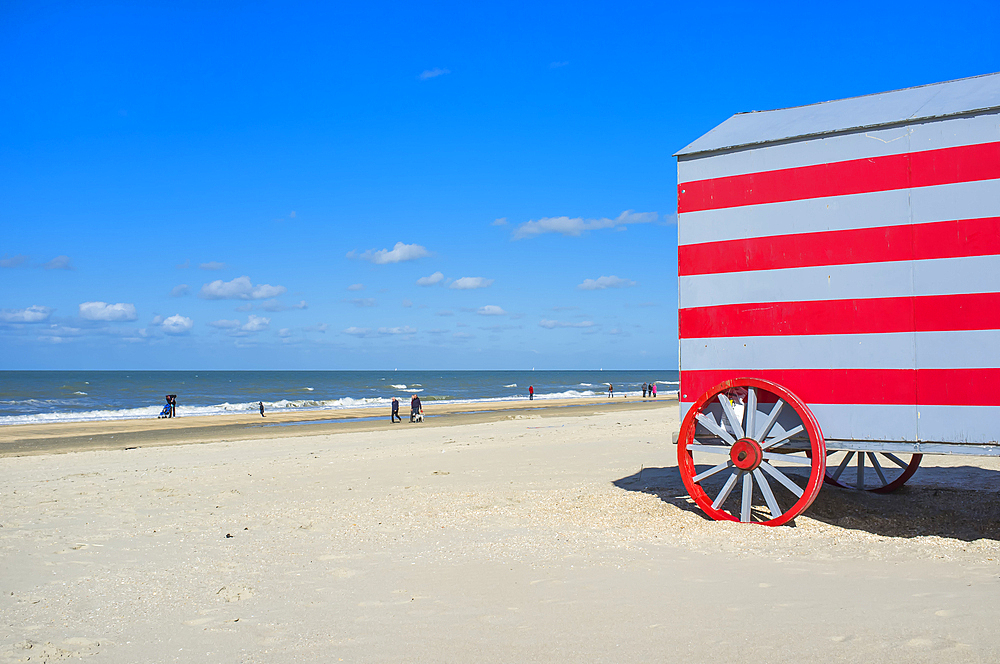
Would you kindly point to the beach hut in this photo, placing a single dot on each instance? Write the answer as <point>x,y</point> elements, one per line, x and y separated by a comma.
<point>839,296</point>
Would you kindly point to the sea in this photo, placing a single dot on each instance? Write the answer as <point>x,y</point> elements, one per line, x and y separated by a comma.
<point>80,396</point>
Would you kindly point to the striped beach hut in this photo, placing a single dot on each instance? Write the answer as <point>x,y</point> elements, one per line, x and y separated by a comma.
<point>839,295</point>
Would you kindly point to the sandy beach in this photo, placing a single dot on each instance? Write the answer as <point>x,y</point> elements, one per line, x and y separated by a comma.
<point>551,533</point>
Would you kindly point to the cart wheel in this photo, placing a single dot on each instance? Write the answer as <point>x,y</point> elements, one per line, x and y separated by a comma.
<point>878,472</point>
<point>767,437</point>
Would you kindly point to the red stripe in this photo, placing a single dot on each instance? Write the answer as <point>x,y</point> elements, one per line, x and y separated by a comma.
<point>940,239</point>
<point>929,313</point>
<point>966,163</point>
<point>925,387</point>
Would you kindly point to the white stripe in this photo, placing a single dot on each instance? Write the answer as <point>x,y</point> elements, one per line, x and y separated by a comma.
<point>861,421</point>
<point>964,200</point>
<point>943,276</point>
<point>922,136</point>
<point>974,349</point>
<point>959,424</point>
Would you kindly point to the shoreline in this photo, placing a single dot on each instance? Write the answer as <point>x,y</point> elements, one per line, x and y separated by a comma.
<point>64,437</point>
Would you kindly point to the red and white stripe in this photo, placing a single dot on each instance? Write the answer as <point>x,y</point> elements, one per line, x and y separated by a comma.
<point>860,271</point>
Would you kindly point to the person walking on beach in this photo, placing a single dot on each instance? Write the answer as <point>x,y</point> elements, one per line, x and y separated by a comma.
<point>261,404</point>
<point>395,411</point>
<point>611,391</point>
<point>643,390</point>
<point>414,407</point>
<point>653,386</point>
<point>531,393</point>
<point>172,400</point>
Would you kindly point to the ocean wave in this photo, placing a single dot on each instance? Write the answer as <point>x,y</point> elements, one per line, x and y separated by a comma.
<point>83,393</point>
<point>227,408</point>
<point>586,384</point>
<point>309,389</point>
<point>399,387</point>
<point>511,385</point>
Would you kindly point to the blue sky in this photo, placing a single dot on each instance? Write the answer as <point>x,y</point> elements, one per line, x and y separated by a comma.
<point>372,185</point>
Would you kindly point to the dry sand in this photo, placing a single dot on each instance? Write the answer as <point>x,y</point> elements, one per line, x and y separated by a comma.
<point>524,538</point>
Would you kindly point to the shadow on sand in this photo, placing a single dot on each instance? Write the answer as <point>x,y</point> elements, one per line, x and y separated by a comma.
<point>961,502</point>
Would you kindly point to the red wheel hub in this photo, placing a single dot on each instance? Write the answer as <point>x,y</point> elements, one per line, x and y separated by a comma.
<point>746,454</point>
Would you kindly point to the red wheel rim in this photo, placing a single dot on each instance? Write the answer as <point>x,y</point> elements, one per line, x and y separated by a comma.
<point>744,471</point>
<point>883,481</point>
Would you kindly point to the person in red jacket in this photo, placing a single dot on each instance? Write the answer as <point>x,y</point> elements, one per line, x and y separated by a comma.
<point>531,393</point>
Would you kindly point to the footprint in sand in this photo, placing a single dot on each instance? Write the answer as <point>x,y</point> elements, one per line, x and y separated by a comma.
<point>235,593</point>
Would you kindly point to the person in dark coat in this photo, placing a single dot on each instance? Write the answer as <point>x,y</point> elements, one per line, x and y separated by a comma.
<point>395,411</point>
<point>261,404</point>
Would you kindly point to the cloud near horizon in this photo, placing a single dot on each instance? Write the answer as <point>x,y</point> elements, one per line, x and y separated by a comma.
<point>239,288</point>
<point>430,280</point>
<point>399,253</point>
<point>470,283</point>
<point>552,324</point>
<point>33,314</point>
<point>59,263</point>
<point>606,282</point>
<point>576,226</point>
<point>108,312</point>
<point>432,73</point>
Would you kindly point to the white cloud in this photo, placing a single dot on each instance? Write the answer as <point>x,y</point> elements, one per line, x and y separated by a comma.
<point>177,324</point>
<point>358,331</point>
<point>13,261</point>
<point>430,280</point>
<point>32,314</point>
<point>284,332</point>
<point>605,282</point>
<point>274,305</point>
<point>356,287</point>
<point>213,265</point>
<point>256,323</point>
<point>491,310</point>
<point>179,290</point>
<point>432,73</point>
<point>109,312</point>
<point>502,221</point>
<point>225,324</point>
<point>406,329</point>
<point>59,263</point>
<point>239,288</point>
<point>398,254</point>
<point>469,283</point>
<point>551,324</point>
<point>576,226</point>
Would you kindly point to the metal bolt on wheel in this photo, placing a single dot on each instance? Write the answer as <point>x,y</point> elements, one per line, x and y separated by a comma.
<point>758,435</point>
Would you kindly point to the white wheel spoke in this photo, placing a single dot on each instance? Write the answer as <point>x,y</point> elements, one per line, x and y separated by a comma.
<point>750,413</point>
<point>861,471</point>
<point>731,415</point>
<point>780,440</point>
<point>775,456</point>
<point>896,460</point>
<point>781,477</point>
<point>747,497</point>
<point>711,449</point>
<point>718,430</point>
<point>842,466</point>
<point>726,489</point>
<point>877,467</point>
<point>712,471</point>
<point>765,489</point>
<point>769,422</point>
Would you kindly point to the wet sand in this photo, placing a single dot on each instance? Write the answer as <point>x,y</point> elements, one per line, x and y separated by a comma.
<point>537,536</point>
